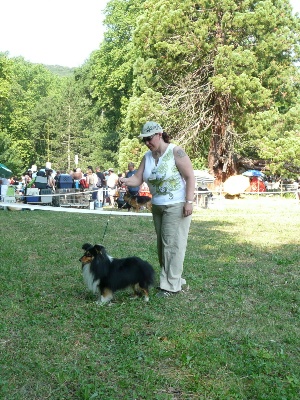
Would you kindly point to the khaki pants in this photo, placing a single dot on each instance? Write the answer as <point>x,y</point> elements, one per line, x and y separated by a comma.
<point>172,230</point>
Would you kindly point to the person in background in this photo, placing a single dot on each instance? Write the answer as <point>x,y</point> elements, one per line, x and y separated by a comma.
<point>27,177</point>
<point>133,191</point>
<point>77,175</point>
<point>168,171</point>
<point>13,180</point>
<point>50,180</point>
<point>112,182</point>
<point>4,182</point>
<point>105,189</point>
<point>121,190</point>
<point>58,172</point>
<point>91,179</point>
<point>101,182</point>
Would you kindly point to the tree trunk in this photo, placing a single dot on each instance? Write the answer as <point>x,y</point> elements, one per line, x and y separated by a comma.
<point>221,160</point>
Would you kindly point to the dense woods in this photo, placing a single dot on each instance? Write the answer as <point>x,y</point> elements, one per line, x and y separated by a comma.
<point>222,78</point>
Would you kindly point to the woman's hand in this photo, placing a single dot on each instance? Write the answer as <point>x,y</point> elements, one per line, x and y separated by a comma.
<point>187,209</point>
<point>122,181</point>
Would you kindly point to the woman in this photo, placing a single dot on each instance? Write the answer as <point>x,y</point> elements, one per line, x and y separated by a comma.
<point>50,180</point>
<point>112,183</point>
<point>168,171</point>
<point>92,179</point>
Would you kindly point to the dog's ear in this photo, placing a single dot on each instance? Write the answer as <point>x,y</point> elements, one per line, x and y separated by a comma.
<point>99,248</point>
<point>87,246</point>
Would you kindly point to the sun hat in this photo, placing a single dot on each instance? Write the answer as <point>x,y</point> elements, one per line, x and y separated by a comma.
<point>150,128</point>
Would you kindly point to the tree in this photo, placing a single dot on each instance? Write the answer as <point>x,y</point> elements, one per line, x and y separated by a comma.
<point>28,84</point>
<point>109,72</point>
<point>5,77</point>
<point>207,71</point>
<point>131,150</point>
<point>281,144</point>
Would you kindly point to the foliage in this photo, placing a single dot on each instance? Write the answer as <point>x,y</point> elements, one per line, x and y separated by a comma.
<point>60,71</point>
<point>29,84</point>
<point>281,144</point>
<point>233,335</point>
<point>5,78</point>
<point>130,151</point>
<point>220,76</point>
<point>206,70</point>
<point>109,72</point>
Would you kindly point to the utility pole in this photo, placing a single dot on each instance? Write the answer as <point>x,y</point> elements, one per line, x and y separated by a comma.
<point>48,143</point>
<point>69,139</point>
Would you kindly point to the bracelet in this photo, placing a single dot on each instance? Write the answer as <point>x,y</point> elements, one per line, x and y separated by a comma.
<point>189,201</point>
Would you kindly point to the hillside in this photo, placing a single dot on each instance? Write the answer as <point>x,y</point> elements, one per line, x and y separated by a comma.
<point>59,70</point>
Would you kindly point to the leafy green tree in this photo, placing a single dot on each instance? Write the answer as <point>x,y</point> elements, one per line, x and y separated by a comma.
<point>108,75</point>
<point>5,77</point>
<point>278,140</point>
<point>131,150</point>
<point>62,127</point>
<point>29,84</point>
<point>207,70</point>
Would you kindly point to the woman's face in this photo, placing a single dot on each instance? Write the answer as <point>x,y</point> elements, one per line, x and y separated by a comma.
<point>152,142</point>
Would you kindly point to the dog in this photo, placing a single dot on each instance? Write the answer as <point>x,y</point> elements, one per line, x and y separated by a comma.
<point>104,274</point>
<point>136,202</point>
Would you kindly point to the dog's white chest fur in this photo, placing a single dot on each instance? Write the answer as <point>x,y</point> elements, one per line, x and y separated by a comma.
<point>88,279</point>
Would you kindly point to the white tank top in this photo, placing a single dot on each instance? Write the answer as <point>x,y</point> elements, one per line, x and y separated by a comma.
<point>164,180</point>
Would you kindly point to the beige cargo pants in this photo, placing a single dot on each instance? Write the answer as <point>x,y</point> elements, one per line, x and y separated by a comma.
<point>172,230</point>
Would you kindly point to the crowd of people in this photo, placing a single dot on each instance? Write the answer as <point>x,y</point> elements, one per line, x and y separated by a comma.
<point>104,186</point>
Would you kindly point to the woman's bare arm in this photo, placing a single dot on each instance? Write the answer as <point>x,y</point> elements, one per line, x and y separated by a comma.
<point>137,178</point>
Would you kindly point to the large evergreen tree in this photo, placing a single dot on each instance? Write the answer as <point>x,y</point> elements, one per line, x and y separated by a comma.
<point>208,70</point>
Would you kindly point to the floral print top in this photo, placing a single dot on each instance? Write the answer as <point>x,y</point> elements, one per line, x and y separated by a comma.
<point>164,180</point>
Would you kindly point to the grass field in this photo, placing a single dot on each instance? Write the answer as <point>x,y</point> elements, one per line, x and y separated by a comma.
<point>234,335</point>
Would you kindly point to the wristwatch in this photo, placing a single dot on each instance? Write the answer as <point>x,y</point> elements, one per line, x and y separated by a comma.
<point>189,201</point>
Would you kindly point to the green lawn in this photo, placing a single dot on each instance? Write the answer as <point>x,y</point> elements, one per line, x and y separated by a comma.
<point>233,335</point>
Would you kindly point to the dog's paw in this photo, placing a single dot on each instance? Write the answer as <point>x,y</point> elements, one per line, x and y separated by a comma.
<point>100,303</point>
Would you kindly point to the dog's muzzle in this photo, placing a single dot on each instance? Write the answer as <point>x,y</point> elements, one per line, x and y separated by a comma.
<point>86,259</point>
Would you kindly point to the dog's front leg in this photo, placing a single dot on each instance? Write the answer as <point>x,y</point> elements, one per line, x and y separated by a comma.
<point>106,296</point>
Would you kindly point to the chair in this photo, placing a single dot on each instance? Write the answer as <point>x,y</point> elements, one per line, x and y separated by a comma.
<point>10,195</point>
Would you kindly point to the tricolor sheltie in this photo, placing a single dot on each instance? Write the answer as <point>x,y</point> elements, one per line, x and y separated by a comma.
<point>104,274</point>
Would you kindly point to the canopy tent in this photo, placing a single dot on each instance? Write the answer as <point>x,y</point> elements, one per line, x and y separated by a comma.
<point>253,172</point>
<point>5,172</point>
